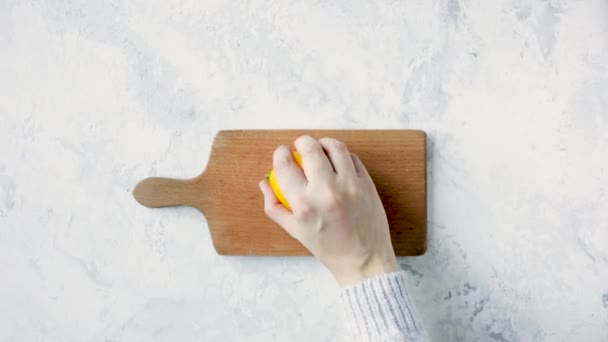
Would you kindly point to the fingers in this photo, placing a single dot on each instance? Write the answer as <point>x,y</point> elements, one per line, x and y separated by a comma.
<point>314,161</point>
<point>290,178</point>
<point>339,156</point>
<point>274,209</point>
<point>359,167</point>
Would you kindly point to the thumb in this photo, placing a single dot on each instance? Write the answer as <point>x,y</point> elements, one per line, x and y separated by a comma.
<point>275,210</point>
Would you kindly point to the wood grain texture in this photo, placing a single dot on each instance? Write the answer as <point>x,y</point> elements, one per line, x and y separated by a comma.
<point>228,195</point>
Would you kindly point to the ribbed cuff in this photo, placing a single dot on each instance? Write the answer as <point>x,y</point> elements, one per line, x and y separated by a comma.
<point>379,309</point>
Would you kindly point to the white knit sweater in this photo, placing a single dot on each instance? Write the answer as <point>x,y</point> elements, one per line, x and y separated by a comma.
<point>379,309</point>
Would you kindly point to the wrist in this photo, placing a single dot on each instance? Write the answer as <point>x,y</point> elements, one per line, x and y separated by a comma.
<point>369,269</point>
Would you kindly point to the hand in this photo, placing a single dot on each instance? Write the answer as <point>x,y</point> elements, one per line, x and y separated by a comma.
<point>336,211</point>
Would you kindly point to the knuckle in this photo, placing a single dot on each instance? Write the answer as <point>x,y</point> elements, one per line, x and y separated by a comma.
<point>339,145</point>
<point>299,199</point>
<point>280,158</point>
<point>305,143</point>
<point>304,138</point>
<point>333,205</point>
<point>353,190</point>
<point>326,141</point>
<point>333,143</point>
<point>304,211</point>
<point>336,206</point>
<point>301,207</point>
<point>333,200</point>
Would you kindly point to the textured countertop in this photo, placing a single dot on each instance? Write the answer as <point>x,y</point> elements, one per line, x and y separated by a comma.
<point>96,95</point>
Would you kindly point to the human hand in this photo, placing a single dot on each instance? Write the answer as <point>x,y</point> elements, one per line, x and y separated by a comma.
<point>336,212</point>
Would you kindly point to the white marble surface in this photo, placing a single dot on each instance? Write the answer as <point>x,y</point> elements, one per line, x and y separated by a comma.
<point>96,95</point>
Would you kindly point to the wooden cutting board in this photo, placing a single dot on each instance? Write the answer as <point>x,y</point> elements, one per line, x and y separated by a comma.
<point>226,192</point>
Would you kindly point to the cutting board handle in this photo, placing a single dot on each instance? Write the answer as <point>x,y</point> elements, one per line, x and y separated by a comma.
<point>156,192</point>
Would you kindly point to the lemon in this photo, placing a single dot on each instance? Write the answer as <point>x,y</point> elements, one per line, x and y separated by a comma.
<point>272,179</point>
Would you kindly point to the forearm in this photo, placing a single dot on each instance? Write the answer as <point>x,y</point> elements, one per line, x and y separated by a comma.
<point>379,309</point>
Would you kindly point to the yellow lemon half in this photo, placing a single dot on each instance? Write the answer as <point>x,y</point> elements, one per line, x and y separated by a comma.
<point>272,179</point>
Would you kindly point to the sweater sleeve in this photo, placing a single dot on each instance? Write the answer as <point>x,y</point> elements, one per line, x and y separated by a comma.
<point>379,309</point>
